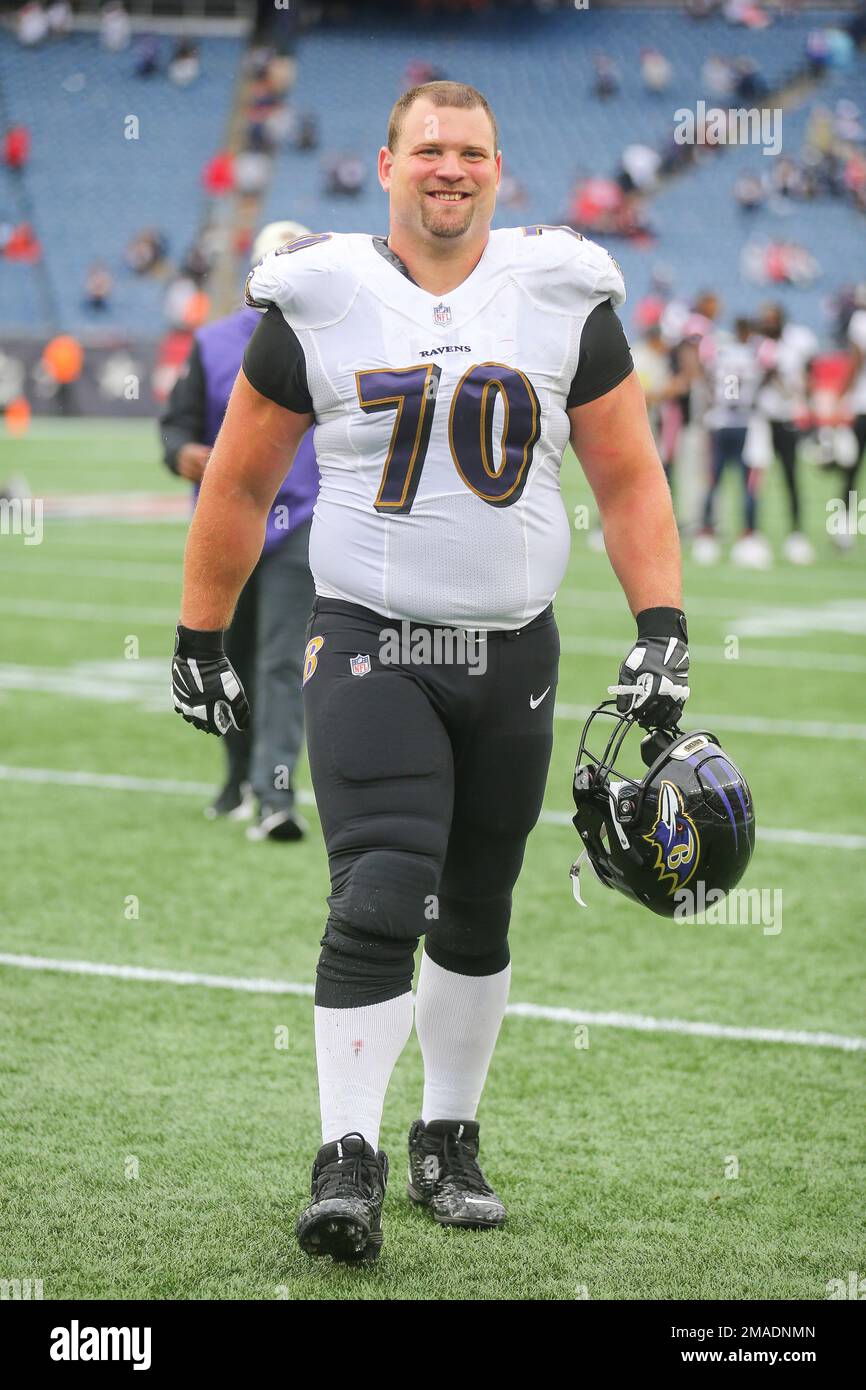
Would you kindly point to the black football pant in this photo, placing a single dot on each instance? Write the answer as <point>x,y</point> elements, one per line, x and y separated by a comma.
<point>265,644</point>
<point>785,439</point>
<point>429,774</point>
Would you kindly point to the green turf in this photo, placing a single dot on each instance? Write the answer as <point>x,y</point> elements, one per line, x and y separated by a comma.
<point>611,1158</point>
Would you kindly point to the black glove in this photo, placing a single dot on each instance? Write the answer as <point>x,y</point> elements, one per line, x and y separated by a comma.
<point>654,678</point>
<point>205,687</point>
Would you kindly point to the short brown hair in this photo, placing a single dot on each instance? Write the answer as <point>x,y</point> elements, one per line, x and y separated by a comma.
<point>441,94</point>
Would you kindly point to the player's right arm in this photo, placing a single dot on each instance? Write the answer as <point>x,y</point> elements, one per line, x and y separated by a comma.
<point>252,454</point>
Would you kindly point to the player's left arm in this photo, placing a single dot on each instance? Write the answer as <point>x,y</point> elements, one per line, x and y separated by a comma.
<point>612,439</point>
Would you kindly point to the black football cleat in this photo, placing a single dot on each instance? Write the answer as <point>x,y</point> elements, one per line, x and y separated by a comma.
<point>235,802</point>
<point>275,824</point>
<point>344,1218</point>
<point>444,1174</point>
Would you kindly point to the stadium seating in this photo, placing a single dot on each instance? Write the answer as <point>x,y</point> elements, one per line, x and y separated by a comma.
<point>538,75</point>
<point>91,189</point>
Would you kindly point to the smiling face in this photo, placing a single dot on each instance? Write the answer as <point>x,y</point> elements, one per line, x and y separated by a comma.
<point>443,173</point>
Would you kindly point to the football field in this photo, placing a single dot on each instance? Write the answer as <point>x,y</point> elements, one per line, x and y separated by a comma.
<point>674,1110</point>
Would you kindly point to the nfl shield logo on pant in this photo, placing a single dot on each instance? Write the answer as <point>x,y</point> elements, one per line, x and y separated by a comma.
<point>359,665</point>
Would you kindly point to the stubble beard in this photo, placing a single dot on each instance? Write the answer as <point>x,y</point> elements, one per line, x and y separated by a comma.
<point>433,222</point>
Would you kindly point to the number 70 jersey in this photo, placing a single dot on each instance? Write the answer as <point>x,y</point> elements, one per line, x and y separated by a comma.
<point>440,420</point>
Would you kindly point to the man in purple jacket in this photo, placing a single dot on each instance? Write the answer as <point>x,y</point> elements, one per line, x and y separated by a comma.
<point>266,636</point>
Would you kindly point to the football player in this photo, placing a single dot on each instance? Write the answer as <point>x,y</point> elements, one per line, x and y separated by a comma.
<point>446,367</point>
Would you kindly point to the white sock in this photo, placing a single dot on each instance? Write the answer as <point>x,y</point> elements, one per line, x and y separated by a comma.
<point>457,1019</point>
<point>356,1052</point>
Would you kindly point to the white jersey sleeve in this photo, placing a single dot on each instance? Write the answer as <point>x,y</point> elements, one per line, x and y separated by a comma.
<point>313,281</point>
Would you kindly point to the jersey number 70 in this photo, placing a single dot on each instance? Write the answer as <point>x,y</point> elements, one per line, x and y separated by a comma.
<point>411,392</point>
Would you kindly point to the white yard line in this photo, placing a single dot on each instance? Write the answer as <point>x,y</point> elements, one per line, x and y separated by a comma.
<point>88,612</point>
<point>111,781</point>
<point>781,658</point>
<point>641,1023</point>
<point>139,572</point>
<point>748,724</point>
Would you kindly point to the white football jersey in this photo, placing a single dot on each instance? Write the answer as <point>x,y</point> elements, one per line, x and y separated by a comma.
<point>441,420</point>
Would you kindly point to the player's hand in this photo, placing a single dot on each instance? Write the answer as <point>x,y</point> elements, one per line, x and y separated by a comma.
<point>654,678</point>
<point>192,461</point>
<point>205,687</point>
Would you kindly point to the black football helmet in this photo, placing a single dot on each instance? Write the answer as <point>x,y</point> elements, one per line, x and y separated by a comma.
<point>689,820</point>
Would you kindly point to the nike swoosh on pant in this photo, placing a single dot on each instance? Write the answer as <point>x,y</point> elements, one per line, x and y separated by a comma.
<point>533,703</point>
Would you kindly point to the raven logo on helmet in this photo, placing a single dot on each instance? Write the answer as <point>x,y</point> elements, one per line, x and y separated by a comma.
<point>675,839</point>
<point>689,819</point>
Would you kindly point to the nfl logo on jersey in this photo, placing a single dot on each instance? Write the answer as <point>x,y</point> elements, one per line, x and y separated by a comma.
<point>359,665</point>
<point>441,314</point>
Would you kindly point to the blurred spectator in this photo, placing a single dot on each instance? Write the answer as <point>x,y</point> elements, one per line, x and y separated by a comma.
<point>778,262</point>
<point>59,17</point>
<point>749,192</point>
<point>186,305</point>
<point>640,166</point>
<point>785,353</point>
<point>600,206</point>
<point>146,56</point>
<point>749,82</point>
<point>847,124</point>
<point>653,366</point>
<point>185,64</point>
<point>252,173</point>
<point>857,26</point>
<point>115,29</point>
<point>817,50</point>
<point>98,285</point>
<point>788,180</point>
<point>31,25</point>
<point>218,175</point>
<point>684,444</point>
<point>656,71</point>
<point>16,148</point>
<point>23,245</point>
<point>146,250</point>
<point>749,13</point>
<point>345,175</point>
<point>819,131</point>
<point>732,369</point>
<point>717,75</point>
<point>854,179</point>
<point>606,76</point>
<point>419,71</point>
<point>280,127</point>
<point>308,132</point>
<point>196,263</point>
<point>282,71</point>
<point>853,394</point>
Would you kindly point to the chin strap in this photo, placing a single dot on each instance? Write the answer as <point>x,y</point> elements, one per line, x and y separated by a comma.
<point>574,871</point>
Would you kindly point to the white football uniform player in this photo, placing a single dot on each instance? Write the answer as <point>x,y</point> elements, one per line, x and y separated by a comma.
<point>440,420</point>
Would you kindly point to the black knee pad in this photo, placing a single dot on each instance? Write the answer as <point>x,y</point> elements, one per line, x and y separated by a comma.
<point>385,893</point>
<point>471,935</point>
<point>378,909</point>
<point>357,968</point>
